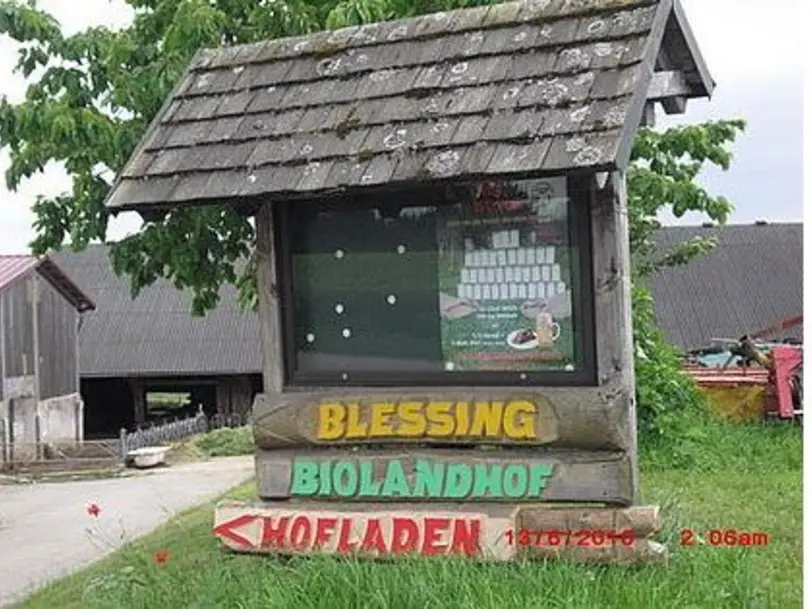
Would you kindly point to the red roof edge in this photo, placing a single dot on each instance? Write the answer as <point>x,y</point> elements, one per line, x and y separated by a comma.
<point>13,267</point>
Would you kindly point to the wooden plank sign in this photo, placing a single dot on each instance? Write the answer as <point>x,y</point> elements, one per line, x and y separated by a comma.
<point>445,475</point>
<point>586,418</point>
<point>385,420</point>
<point>485,532</point>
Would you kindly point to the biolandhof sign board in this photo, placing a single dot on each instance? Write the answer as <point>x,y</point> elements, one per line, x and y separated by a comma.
<point>368,478</point>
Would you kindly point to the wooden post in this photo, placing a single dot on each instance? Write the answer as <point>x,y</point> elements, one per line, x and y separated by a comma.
<point>268,302</point>
<point>611,270</point>
<point>77,353</point>
<point>241,395</point>
<point>3,345</point>
<point>139,406</point>
<point>621,215</point>
<point>223,395</point>
<point>35,322</point>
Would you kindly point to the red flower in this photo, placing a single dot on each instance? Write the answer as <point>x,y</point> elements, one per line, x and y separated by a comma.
<point>93,510</point>
<point>160,557</point>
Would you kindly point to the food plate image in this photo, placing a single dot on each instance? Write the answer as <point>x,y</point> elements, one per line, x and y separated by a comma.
<point>523,339</point>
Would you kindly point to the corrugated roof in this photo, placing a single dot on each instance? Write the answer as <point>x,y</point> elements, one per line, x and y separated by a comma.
<point>753,279</point>
<point>12,267</point>
<point>750,281</point>
<point>15,266</point>
<point>154,335</point>
<point>510,89</point>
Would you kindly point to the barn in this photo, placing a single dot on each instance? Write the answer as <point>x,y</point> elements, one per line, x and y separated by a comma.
<point>136,350</point>
<point>41,311</point>
<point>750,281</point>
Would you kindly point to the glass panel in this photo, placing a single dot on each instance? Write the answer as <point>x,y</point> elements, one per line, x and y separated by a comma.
<point>483,280</point>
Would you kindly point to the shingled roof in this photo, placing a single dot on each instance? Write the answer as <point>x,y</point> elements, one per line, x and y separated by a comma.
<point>154,334</point>
<point>750,281</point>
<point>519,88</point>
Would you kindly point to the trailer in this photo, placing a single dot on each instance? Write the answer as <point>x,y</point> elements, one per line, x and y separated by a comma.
<point>748,378</point>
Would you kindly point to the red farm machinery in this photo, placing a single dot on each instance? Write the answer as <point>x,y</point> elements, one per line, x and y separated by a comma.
<point>749,378</point>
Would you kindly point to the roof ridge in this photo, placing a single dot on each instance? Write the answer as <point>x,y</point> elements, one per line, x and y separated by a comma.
<point>427,25</point>
<point>731,225</point>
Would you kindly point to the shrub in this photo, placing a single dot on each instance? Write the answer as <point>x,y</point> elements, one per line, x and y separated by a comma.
<point>226,442</point>
<point>670,408</point>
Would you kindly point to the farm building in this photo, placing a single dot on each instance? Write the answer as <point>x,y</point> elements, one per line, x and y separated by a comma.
<point>135,349</point>
<point>132,348</point>
<point>752,280</point>
<point>41,310</point>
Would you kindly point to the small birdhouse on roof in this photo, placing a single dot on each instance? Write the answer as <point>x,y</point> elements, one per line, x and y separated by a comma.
<point>539,87</point>
<point>443,269</point>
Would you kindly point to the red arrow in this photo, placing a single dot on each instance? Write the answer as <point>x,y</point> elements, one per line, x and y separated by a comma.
<point>226,529</point>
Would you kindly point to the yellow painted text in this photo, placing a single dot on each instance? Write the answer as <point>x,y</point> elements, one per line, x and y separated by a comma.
<point>514,420</point>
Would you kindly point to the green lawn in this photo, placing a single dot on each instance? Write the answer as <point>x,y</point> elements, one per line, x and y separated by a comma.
<point>744,478</point>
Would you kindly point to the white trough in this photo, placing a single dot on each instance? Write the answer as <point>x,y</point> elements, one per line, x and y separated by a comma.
<point>148,456</point>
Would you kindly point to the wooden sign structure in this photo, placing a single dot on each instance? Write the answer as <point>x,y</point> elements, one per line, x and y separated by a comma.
<point>443,271</point>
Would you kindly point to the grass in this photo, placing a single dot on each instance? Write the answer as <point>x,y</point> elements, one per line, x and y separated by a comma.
<point>168,399</point>
<point>739,477</point>
<point>224,442</point>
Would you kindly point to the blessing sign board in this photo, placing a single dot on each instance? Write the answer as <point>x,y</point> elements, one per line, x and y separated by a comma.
<point>556,419</point>
<point>383,419</point>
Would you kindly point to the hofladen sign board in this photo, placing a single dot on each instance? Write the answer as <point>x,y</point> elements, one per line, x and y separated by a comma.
<point>443,271</point>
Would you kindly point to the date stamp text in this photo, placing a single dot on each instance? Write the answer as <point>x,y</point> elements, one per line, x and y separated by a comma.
<point>585,538</point>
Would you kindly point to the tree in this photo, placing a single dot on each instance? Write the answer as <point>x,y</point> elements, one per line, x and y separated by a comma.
<point>93,94</point>
<point>663,175</point>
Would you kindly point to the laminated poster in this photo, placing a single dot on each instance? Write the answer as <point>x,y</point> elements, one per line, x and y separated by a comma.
<point>504,272</point>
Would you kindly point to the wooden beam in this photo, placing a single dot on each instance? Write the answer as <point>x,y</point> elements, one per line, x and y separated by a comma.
<point>432,476</point>
<point>612,278</point>
<point>223,395</point>
<point>35,279</point>
<point>677,99</point>
<point>668,86</point>
<point>564,417</point>
<point>649,116</point>
<point>3,345</point>
<point>268,296</point>
<point>484,532</point>
<point>139,400</point>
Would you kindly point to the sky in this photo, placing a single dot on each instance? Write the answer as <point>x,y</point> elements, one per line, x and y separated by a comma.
<point>755,56</point>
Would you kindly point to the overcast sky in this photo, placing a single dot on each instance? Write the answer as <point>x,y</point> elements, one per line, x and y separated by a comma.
<point>754,54</point>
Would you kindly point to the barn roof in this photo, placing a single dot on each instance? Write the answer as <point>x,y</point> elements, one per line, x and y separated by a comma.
<point>13,267</point>
<point>751,280</point>
<point>511,89</point>
<point>155,335</point>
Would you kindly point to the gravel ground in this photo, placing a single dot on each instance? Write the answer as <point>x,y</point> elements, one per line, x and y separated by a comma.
<point>43,526</point>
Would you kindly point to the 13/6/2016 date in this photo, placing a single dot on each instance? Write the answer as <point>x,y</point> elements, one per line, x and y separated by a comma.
<point>582,537</point>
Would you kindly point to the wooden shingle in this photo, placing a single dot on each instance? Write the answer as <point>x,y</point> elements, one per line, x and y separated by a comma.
<point>535,86</point>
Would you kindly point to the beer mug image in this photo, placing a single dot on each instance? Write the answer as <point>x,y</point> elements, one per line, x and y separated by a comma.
<point>547,330</point>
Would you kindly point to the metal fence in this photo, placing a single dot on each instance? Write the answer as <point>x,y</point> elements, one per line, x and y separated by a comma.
<point>172,431</point>
<point>16,455</point>
<point>41,457</point>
